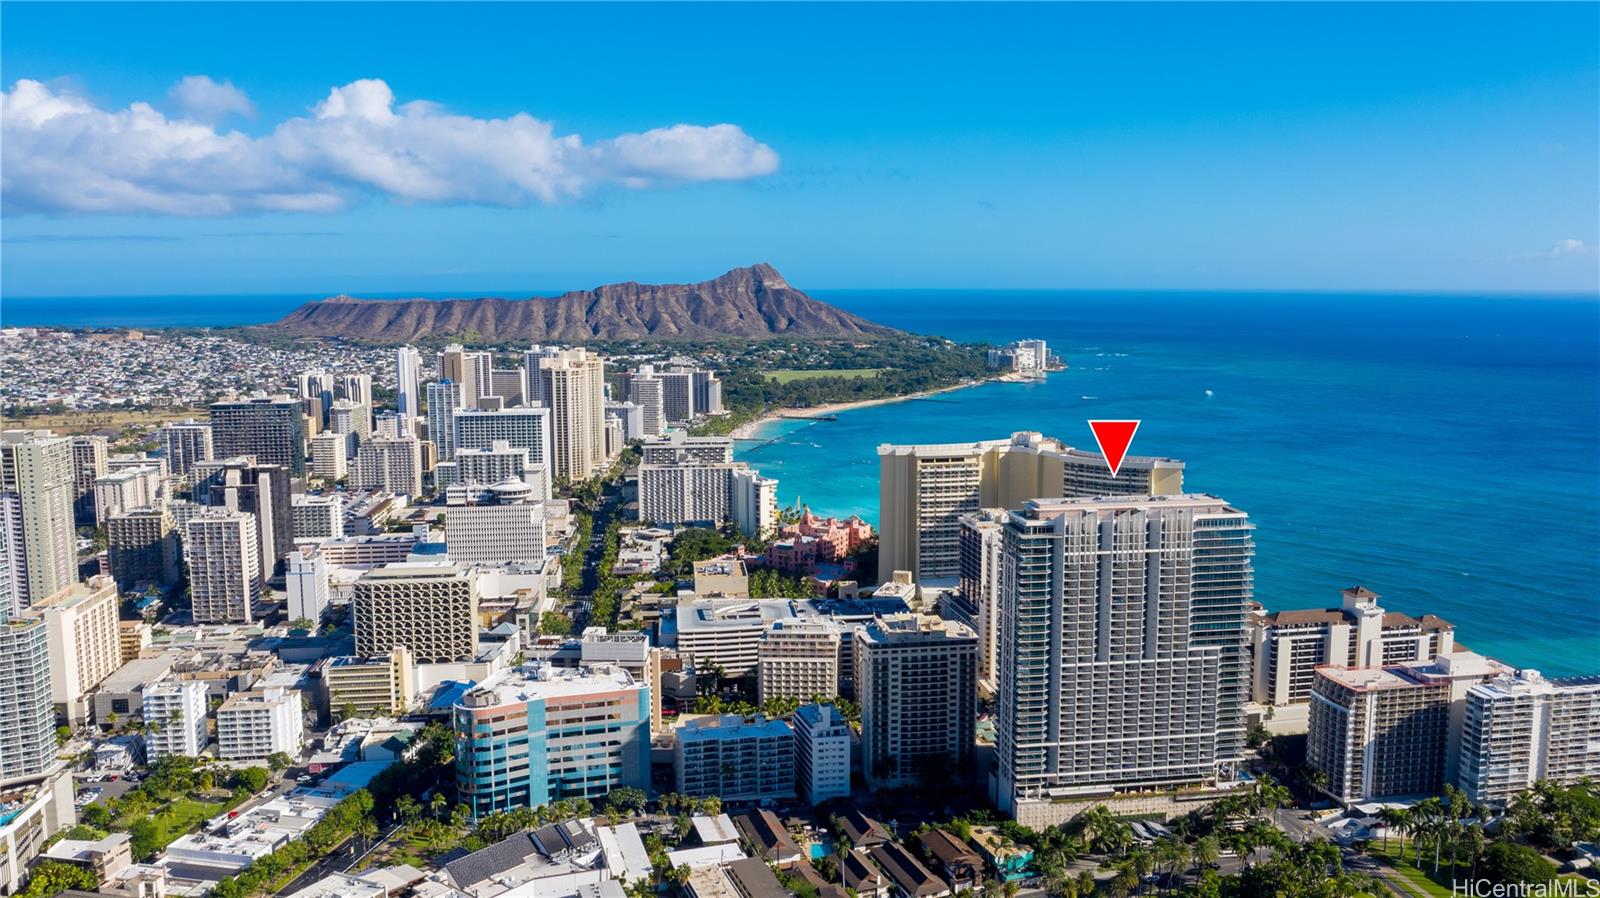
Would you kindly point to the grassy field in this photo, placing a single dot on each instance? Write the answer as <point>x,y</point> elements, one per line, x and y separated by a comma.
<point>178,817</point>
<point>85,422</point>
<point>785,375</point>
<point>1419,879</point>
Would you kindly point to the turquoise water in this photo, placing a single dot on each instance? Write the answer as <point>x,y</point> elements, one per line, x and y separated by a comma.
<point>1439,450</point>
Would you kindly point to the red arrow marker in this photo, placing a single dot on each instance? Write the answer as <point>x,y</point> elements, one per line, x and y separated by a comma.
<point>1113,437</point>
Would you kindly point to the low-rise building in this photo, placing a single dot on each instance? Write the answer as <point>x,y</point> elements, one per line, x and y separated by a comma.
<point>953,859</point>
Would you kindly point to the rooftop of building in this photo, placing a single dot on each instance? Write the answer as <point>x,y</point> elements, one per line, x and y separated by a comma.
<point>816,716</point>
<point>725,727</point>
<point>703,615</point>
<point>535,681</point>
<point>896,627</point>
<point>1036,509</point>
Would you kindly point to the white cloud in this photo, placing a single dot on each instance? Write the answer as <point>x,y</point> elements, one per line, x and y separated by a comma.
<point>1569,247</point>
<point>204,100</point>
<point>60,152</point>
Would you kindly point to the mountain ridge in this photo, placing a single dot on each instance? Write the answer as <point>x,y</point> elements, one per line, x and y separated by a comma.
<point>751,302</point>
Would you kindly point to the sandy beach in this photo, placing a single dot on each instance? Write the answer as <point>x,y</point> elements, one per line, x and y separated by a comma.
<point>748,430</point>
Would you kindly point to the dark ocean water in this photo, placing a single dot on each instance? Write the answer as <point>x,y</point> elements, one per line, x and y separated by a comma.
<point>1441,450</point>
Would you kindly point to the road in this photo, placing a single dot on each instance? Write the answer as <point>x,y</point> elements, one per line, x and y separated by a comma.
<point>600,521</point>
<point>340,860</point>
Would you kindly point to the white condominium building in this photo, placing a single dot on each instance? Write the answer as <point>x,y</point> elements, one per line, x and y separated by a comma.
<point>977,601</point>
<point>522,428</point>
<point>648,392</point>
<point>572,385</point>
<point>431,608</point>
<point>126,489</point>
<point>308,584</point>
<point>90,462</point>
<point>391,464</point>
<point>175,718</point>
<point>735,758</point>
<point>259,723</point>
<point>821,753</point>
<point>224,566</point>
<point>36,467</point>
<point>1122,646</point>
<point>81,625</point>
<point>357,388</point>
<point>27,716</point>
<point>317,517</point>
<point>923,491</point>
<point>1521,728</point>
<point>445,399</point>
<point>684,479</point>
<point>407,381</point>
<point>916,683</point>
<point>799,659</point>
<point>183,443</point>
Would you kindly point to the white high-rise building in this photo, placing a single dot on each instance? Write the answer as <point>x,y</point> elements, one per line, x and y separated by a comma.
<point>798,659</point>
<point>924,490</point>
<point>407,381</point>
<point>735,758</point>
<point>977,601</point>
<point>224,566</point>
<point>259,723</point>
<point>647,392</point>
<point>471,370</point>
<point>175,718</point>
<point>81,625</point>
<point>631,414</point>
<point>821,753</point>
<point>37,467</point>
<point>330,456</point>
<point>1122,646</point>
<point>307,581</point>
<point>684,479</point>
<point>90,462</point>
<point>1521,728</point>
<point>27,716</point>
<point>353,421</point>
<point>525,428</point>
<point>317,517</point>
<point>126,489</point>
<point>445,399</point>
<point>356,388</point>
<point>391,464</point>
<point>185,442</point>
<point>501,461</point>
<point>572,385</point>
<point>496,532</point>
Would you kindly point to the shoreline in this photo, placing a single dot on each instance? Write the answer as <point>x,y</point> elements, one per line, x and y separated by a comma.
<point>750,429</point>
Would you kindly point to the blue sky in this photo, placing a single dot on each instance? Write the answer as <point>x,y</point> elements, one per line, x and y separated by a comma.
<point>1346,146</point>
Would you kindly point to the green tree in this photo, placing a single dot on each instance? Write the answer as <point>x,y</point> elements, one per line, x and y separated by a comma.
<point>1510,863</point>
<point>49,878</point>
<point>279,761</point>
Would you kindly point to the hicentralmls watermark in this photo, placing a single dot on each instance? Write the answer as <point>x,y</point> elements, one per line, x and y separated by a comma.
<point>1561,888</point>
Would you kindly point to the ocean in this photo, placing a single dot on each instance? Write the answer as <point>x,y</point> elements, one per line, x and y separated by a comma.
<point>1443,451</point>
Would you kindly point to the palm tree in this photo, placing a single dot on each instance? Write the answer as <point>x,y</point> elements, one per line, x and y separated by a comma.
<point>1127,878</point>
<point>1086,883</point>
<point>1391,818</point>
<point>367,828</point>
<point>1206,852</point>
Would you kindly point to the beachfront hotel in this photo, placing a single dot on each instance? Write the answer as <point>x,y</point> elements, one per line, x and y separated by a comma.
<point>1122,647</point>
<point>529,736</point>
<point>923,490</point>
